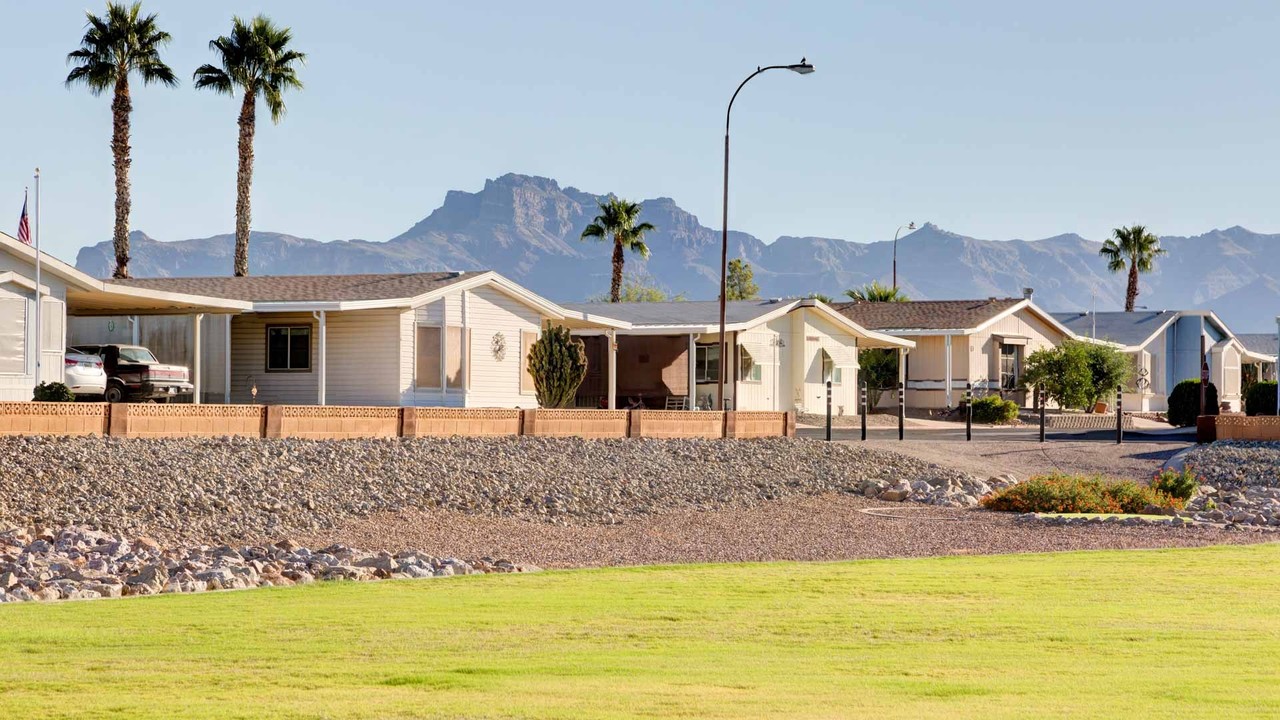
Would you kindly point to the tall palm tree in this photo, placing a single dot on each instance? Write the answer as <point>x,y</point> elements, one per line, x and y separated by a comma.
<point>256,60</point>
<point>875,292</point>
<point>617,219</point>
<point>117,44</point>
<point>1133,248</point>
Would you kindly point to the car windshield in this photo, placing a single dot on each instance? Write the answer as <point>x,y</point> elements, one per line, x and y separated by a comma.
<point>136,354</point>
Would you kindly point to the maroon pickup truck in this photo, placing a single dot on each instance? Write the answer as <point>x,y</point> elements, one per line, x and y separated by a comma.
<point>133,374</point>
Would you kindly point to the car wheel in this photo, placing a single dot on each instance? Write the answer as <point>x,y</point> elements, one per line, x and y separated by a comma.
<point>114,394</point>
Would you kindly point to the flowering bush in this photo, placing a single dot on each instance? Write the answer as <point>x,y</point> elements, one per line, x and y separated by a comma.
<point>1179,484</point>
<point>1058,493</point>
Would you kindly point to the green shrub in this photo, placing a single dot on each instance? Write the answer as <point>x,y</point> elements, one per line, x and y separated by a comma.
<point>1184,403</point>
<point>558,364</point>
<point>994,410</point>
<point>1078,374</point>
<point>1078,494</point>
<point>1179,484</point>
<point>1260,398</point>
<point>53,392</point>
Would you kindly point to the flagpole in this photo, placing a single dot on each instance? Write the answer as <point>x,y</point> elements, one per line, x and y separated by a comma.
<point>39,299</point>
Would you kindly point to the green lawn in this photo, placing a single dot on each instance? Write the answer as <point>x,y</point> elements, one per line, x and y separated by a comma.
<point>1180,633</point>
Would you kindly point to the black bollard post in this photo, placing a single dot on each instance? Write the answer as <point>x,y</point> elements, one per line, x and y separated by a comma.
<point>1040,394</point>
<point>828,411</point>
<point>968,412</point>
<point>863,400</point>
<point>1119,415</point>
<point>902,410</point>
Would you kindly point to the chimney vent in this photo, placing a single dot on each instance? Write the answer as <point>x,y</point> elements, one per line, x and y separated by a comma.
<point>1028,293</point>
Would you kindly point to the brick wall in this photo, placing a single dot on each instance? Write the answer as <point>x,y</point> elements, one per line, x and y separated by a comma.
<point>51,418</point>
<point>142,420</point>
<point>1243,427</point>
<point>579,423</point>
<point>677,424</point>
<point>471,422</point>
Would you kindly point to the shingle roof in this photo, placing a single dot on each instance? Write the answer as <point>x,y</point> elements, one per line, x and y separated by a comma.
<point>303,288</point>
<point>1261,343</point>
<point>699,312</point>
<point>1126,328</point>
<point>925,314</point>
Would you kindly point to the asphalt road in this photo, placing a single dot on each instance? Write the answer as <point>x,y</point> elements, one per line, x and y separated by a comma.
<point>1016,434</point>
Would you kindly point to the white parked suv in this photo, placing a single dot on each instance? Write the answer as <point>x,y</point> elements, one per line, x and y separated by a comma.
<point>84,374</point>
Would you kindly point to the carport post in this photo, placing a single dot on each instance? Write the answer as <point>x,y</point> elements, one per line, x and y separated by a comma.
<point>693,373</point>
<point>322,347</point>
<point>226,369</point>
<point>611,337</point>
<point>197,367</point>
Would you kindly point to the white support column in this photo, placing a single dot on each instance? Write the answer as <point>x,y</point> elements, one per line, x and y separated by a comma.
<point>1276,367</point>
<point>226,368</point>
<point>197,366</point>
<point>948,379</point>
<point>693,372</point>
<point>611,337</point>
<point>463,349</point>
<point>322,359</point>
<point>902,366</point>
<point>133,329</point>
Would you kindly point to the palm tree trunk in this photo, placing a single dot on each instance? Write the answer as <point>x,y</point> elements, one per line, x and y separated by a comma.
<point>615,288</point>
<point>121,106</point>
<point>1131,295</point>
<point>244,181</point>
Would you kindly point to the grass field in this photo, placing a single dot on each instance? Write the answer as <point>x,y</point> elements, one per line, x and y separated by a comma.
<point>1177,633</point>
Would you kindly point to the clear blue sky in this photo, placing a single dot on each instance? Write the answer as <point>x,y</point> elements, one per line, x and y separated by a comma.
<point>994,119</point>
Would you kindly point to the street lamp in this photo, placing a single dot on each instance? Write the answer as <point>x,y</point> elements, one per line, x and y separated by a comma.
<point>801,68</point>
<point>908,226</point>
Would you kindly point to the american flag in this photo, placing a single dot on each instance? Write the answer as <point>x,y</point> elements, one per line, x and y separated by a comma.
<point>24,227</point>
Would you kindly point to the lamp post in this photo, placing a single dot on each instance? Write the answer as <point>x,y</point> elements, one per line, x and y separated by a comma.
<point>908,226</point>
<point>802,68</point>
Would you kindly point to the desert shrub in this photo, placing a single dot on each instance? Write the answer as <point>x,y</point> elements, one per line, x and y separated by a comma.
<point>1174,483</point>
<point>558,364</point>
<point>53,392</point>
<point>1077,494</point>
<point>878,367</point>
<point>1184,403</point>
<point>1260,398</point>
<point>1078,374</point>
<point>994,410</point>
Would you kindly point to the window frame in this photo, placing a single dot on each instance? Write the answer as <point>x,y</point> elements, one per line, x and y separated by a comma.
<point>1016,372</point>
<point>753,377</point>
<point>24,337</point>
<point>700,376</point>
<point>266,355</point>
<point>836,376</point>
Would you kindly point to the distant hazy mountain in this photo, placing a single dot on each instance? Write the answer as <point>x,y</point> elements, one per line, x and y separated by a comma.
<point>527,228</point>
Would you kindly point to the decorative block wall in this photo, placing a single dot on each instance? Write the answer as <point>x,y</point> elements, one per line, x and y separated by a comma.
<point>51,418</point>
<point>677,424</point>
<point>471,422</point>
<point>745,424</point>
<point>579,423</point>
<point>148,420</point>
<point>1244,427</point>
<point>332,422</point>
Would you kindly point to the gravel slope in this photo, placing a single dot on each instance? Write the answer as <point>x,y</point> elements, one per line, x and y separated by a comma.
<point>1234,464</point>
<point>233,490</point>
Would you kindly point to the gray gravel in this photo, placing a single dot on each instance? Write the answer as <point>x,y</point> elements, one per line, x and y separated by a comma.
<point>1235,464</point>
<point>231,490</point>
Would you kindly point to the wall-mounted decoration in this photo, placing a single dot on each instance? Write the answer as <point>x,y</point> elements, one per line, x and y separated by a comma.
<point>499,346</point>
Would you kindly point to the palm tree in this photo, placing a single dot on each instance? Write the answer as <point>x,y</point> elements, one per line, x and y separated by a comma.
<point>256,60</point>
<point>115,45</point>
<point>1133,248</point>
<point>617,218</point>
<point>875,292</point>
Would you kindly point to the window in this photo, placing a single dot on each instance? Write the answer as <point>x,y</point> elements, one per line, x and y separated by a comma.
<point>433,356</point>
<point>706,364</point>
<point>1010,366</point>
<point>51,315</point>
<point>527,339</point>
<point>288,348</point>
<point>428,361</point>
<point>831,373</point>
<point>13,336</point>
<point>749,369</point>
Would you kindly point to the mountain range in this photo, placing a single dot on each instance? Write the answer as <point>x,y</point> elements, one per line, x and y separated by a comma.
<point>528,228</point>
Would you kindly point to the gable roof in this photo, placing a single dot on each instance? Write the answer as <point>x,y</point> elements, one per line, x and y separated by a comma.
<point>1259,343</point>
<point>304,288</point>
<point>924,315</point>
<point>1130,329</point>
<point>683,313</point>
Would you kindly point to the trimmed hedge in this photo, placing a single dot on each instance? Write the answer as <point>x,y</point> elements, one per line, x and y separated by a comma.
<point>1060,493</point>
<point>994,410</point>
<point>1260,398</point>
<point>1184,403</point>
